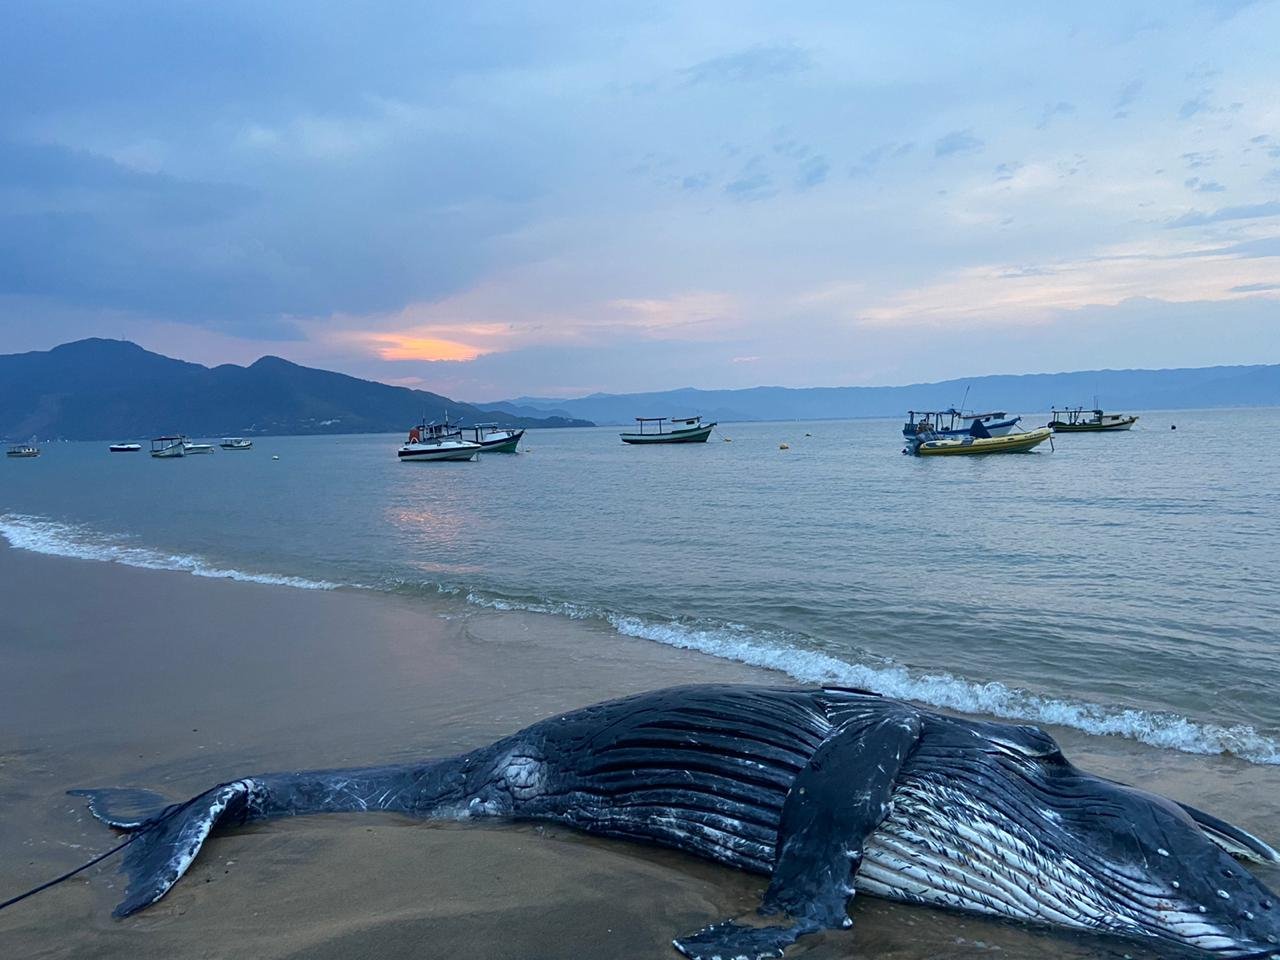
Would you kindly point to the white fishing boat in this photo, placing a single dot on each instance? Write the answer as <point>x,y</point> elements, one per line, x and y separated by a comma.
<point>436,441</point>
<point>495,439</point>
<point>194,448</point>
<point>165,448</point>
<point>681,430</point>
<point>1080,420</point>
<point>953,423</point>
<point>236,443</point>
<point>125,447</point>
<point>23,451</point>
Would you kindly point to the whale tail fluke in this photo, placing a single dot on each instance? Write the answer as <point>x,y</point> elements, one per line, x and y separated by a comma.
<point>125,809</point>
<point>166,836</point>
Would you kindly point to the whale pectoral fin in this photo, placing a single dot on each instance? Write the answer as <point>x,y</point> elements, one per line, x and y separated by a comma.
<point>125,809</point>
<point>731,940</point>
<point>1239,843</point>
<point>834,804</point>
<point>165,843</point>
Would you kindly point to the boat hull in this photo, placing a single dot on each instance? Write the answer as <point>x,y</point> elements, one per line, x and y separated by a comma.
<point>125,447</point>
<point>698,435</point>
<point>22,454</point>
<point>507,445</point>
<point>1124,424</point>
<point>1012,443</point>
<point>169,453</point>
<point>422,453</point>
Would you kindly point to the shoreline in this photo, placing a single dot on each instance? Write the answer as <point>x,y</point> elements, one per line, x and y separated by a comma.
<point>125,676</point>
<point>774,649</point>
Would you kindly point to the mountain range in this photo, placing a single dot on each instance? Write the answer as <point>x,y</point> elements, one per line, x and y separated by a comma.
<point>113,389</point>
<point>1118,390</point>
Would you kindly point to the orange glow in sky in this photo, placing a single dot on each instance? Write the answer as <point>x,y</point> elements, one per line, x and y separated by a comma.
<point>395,346</point>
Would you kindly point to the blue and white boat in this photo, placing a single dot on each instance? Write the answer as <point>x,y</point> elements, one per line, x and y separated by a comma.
<point>952,423</point>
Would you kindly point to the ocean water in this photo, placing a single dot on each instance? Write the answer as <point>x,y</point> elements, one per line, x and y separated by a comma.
<point>1122,584</point>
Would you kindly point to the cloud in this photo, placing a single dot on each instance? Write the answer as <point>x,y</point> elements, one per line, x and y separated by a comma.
<point>1007,171</point>
<point>872,158</point>
<point>1226,9</point>
<point>1051,110</point>
<point>812,172</point>
<point>1028,296</point>
<point>1197,159</point>
<point>1203,186</point>
<point>750,66</point>
<point>1189,108</point>
<point>1196,218</point>
<point>391,346</point>
<point>751,186</point>
<point>957,142</point>
<point>1255,287</point>
<point>1126,97</point>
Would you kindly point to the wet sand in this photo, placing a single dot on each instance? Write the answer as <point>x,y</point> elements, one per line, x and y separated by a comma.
<point>111,675</point>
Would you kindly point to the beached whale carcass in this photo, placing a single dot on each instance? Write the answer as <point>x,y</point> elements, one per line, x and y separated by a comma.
<point>826,791</point>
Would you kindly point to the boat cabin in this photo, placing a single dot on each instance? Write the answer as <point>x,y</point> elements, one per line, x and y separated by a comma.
<point>677,424</point>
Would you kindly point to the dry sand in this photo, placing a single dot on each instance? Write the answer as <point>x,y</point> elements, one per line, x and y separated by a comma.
<point>117,676</point>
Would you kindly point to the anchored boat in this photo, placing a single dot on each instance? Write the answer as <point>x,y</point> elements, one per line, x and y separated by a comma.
<point>682,430</point>
<point>191,449</point>
<point>236,443</point>
<point>1080,420</point>
<point>437,441</point>
<point>954,423</point>
<point>125,447</point>
<point>23,451</point>
<point>926,442</point>
<point>495,439</point>
<point>167,447</point>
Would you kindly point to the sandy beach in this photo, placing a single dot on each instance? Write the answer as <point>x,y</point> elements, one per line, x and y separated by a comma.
<point>120,676</point>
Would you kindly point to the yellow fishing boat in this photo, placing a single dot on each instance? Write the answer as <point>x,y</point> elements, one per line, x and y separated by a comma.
<point>924,446</point>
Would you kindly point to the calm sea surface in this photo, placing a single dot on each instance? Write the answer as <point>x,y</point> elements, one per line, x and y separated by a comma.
<point>1122,583</point>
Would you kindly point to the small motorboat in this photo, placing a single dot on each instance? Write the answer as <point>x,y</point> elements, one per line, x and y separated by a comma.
<point>495,439</point>
<point>165,448</point>
<point>194,448</point>
<point>1080,420</point>
<point>1009,443</point>
<point>955,423</point>
<point>437,441</point>
<point>23,451</point>
<point>125,447</point>
<point>682,430</point>
<point>236,443</point>
<point>928,443</point>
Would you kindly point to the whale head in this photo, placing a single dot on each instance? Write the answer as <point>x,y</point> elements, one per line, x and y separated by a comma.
<point>1170,880</point>
<point>992,818</point>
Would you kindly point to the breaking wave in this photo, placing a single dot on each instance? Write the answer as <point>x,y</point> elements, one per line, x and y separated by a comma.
<point>781,652</point>
<point>41,535</point>
<point>773,650</point>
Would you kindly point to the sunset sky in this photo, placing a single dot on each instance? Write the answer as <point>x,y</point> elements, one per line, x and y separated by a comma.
<point>495,200</point>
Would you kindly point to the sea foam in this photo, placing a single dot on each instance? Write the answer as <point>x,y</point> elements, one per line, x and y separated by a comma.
<point>732,641</point>
<point>780,652</point>
<point>42,535</point>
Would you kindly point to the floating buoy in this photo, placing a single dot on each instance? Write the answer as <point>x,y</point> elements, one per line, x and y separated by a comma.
<point>784,446</point>
<point>808,434</point>
<point>275,457</point>
<point>1173,426</point>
